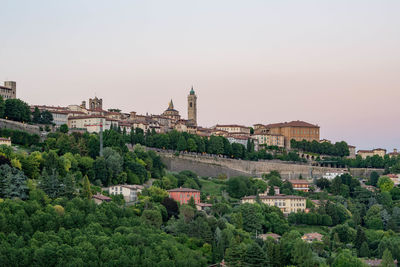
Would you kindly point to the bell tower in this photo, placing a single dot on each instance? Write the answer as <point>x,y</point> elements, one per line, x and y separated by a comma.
<point>192,107</point>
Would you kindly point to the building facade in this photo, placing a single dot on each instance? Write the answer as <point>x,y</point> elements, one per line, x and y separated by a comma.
<point>9,90</point>
<point>269,139</point>
<point>370,153</point>
<point>300,185</point>
<point>233,129</point>
<point>95,103</point>
<point>297,130</point>
<point>183,195</point>
<point>286,203</point>
<point>91,123</point>
<point>5,141</point>
<point>129,192</point>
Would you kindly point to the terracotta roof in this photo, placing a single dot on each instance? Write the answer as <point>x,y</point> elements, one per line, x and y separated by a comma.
<point>276,197</point>
<point>3,87</point>
<point>274,236</point>
<point>101,197</point>
<point>183,190</point>
<point>298,181</point>
<point>238,137</point>
<point>231,125</point>
<point>292,124</point>
<point>86,117</point>
<point>312,236</point>
<point>365,151</point>
<point>5,139</point>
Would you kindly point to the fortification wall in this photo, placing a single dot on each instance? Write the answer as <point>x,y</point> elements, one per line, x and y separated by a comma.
<point>213,166</point>
<point>32,129</point>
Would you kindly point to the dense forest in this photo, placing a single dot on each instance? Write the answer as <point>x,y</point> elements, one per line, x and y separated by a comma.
<point>47,217</point>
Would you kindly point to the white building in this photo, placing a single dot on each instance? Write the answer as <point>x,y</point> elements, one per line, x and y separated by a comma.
<point>238,139</point>
<point>129,192</point>
<point>5,141</point>
<point>332,175</point>
<point>91,123</point>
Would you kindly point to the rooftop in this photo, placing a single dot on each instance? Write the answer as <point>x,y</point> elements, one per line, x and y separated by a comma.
<point>276,197</point>
<point>291,124</point>
<point>180,189</point>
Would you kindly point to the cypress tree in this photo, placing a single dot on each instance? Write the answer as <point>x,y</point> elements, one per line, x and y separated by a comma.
<point>255,256</point>
<point>387,259</point>
<point>86,192</point>
<point>364,250</point>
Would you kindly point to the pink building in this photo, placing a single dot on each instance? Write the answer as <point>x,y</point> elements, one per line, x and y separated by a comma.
<point>183,195</point>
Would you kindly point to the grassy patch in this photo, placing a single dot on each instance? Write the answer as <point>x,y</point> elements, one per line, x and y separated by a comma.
<point>211,188</point>
<point>303,229</point>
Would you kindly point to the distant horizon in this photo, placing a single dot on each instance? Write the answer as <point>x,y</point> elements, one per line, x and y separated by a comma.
<point>335,64</point>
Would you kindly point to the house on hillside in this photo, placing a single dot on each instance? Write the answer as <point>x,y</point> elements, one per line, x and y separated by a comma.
<point>99,198</point>
<point>310,237</point>
<point>129,192</point>
<point>183,195</point>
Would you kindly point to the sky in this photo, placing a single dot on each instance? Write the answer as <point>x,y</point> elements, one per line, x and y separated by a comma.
<point>331,63</point>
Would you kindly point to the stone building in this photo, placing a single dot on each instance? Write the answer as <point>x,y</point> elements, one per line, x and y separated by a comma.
<point>9,90</point>
<point>171,113</point>
<point>95,103</point>
<point>192,107</point>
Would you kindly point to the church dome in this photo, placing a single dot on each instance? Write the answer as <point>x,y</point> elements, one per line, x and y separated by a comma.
<point>192,91</point>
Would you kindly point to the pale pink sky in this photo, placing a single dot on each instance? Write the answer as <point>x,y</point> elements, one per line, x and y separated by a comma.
<point>333,63</point>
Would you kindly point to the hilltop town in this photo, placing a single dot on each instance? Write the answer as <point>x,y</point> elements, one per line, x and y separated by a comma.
<point>270,195</point>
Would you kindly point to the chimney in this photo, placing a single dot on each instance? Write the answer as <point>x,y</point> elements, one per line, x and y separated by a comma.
<point>83,105</point>
<point>132,115</point>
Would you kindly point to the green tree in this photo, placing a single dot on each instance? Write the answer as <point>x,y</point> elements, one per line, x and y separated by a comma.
<point>271,191</point>
<point>152,217</point>
<point>13,183</point>
<point>191,144</point>
<point>86,190</point>
<point>373,178</point>
<point>364,250</point>
<point>17,110</point>
<point>345,259</point>
<point>387,259</point>
<point>302,254</point>
<point>181,145</point>
<point>2,107</point>
<point>64,128</point>
<point>36,115</point>
<point>255,256</point>
<point>385,184</point>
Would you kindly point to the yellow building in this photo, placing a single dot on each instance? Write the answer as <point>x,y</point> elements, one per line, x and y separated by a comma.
<point>286,203</point>
<point>269,139</point>
<point>234,129</point>
<point>370,153</point>
<point>297,130</point>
